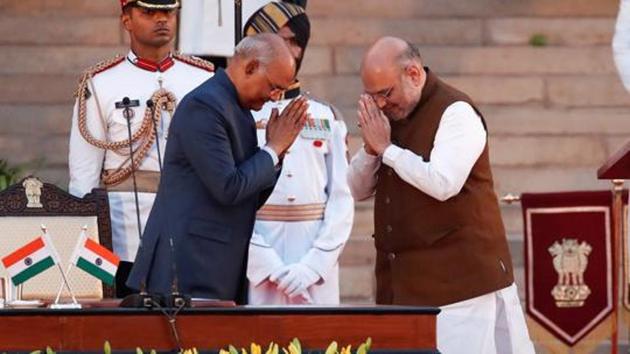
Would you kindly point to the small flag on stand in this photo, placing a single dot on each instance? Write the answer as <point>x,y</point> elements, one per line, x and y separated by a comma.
<point>95,259</point>
<point>30,260</point>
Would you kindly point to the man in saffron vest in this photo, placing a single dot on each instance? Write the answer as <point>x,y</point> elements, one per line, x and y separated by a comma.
<point>438,231</point>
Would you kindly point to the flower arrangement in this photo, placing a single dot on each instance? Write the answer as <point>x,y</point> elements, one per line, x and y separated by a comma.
<point>295,347</point>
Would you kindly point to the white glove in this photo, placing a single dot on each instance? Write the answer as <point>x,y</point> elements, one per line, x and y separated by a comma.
<point>278,273</point>
<point>297,279</point>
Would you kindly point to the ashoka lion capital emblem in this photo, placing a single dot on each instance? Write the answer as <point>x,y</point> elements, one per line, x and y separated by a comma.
<point>570,260</point>
<point>33,190</point>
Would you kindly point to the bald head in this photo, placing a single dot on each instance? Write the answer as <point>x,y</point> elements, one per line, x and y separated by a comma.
<point>266,48</point>
<point>389,52</point>
<point>261,69</point>
<point>393,75</point>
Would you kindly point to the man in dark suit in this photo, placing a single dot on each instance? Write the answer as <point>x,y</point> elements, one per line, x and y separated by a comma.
<point>215,177</point>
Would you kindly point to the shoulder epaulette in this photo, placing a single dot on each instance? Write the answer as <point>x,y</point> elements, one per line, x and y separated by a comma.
<point>195,61</point>
<point>105,64</point>
<point>96,69</point>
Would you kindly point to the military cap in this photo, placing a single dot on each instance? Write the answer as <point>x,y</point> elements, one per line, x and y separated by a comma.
<point>152,4</point>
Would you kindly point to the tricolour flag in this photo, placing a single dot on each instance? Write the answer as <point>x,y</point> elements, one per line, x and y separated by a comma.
<point>95,259</point>
<point>30,260</point>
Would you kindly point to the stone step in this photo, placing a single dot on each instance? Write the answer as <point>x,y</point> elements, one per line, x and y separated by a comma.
<point>38,88</point>
<point>615,143</point>
<point>92,31</point>
<point>363,31</point>
<point>497,60</point>
<point>544,151</point>
<point>500,90</point>
<point>358,252</point>
<point>59,8</point>
<point>534,179</point>
<point>53,149</point>
<point>566,31</point>
<point>36,120</point>
<point>54,59</point>
<point>357,282</point>
<point>458,9</point>
<point>587,90</point>
<point>57,175</point>
<point>550,121</point>
<point>318,60</point>
<point>340,90</point>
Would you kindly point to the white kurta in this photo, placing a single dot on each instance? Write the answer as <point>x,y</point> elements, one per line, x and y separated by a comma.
<point>312,173</point>
<point>86,162</point>
<point>621,43</point>
<point>491,323</point>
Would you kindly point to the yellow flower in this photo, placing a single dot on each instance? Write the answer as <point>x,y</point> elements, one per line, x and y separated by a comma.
<point>295,347</point>
<point>332,348</point>
<point>273,348</point>
<point>255,349</point>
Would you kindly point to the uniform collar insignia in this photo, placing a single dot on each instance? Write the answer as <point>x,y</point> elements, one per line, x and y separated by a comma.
<point>149,65</point>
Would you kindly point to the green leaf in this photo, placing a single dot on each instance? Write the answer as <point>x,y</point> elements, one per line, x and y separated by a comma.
<point>538,40</point>
<point>49,350</point>
<point>233,350</point>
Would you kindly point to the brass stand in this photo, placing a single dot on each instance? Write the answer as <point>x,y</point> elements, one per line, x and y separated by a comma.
<point>617,215</point>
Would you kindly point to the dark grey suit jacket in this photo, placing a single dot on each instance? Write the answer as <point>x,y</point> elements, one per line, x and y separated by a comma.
<point>214,179</point>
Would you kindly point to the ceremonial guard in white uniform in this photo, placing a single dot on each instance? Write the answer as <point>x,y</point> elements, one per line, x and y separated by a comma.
<point>113,95</point>
<point>301,230</point>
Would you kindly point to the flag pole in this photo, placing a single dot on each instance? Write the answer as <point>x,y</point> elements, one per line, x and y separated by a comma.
<point>57,260</point>
<point>65,280</point>
<point>62,283</point>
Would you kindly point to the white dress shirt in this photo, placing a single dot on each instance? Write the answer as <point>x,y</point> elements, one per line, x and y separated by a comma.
<point>459,141</point>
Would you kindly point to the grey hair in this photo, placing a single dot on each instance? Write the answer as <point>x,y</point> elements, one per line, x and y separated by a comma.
<point>259,46</point>
<point>411,53</point>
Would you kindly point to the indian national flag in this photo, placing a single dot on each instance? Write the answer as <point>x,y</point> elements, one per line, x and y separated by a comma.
<point>95,259</point>
<point>30,260</point>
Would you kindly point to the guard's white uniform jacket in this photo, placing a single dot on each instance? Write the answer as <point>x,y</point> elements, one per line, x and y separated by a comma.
<point>86,162</point>
<point>313,179</point>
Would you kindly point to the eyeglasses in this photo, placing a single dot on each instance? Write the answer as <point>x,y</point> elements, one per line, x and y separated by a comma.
<point>382,95</point>
<point>276,91</point>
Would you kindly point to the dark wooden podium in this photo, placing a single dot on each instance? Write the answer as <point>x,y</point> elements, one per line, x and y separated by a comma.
<point>394,328</point>
<point>617,169</point>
